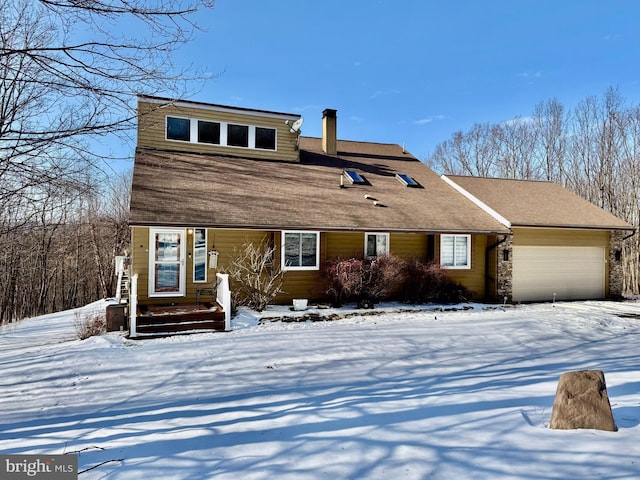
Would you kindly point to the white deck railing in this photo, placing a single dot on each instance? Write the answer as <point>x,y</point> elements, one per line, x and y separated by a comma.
<point>223,297</point>
<point>120,267</point>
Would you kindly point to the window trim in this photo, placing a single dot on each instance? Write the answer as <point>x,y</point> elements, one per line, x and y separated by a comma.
<point>377,234</point>
<point>206,257</point>
<point>287,268</point>
<point>467,266</point>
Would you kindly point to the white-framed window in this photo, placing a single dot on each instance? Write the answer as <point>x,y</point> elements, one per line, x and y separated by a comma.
<point>179,129</point>
<point>237,135</point>
<point>300,250</point>
<point>375,244</point>
<point>265,138</point>
<point>455,251</point>
<point>208,132</point>
<point>193,130</point>
<point>199,255</point>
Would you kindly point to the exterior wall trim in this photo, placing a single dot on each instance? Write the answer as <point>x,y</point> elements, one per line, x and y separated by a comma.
<point>218,108</point>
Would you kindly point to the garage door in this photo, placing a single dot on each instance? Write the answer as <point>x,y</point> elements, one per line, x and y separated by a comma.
<point>572,273</point>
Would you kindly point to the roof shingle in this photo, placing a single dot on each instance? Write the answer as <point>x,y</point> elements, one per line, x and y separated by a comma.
<point>174,188</point>
<point>538,203</point>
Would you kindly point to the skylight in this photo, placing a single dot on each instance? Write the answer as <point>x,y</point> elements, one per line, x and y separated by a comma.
<point>406,180</point>
<point>353,176</point>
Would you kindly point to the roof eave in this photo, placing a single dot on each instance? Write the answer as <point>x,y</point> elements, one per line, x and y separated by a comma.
<point>574,227</point>
<point>278,227</point>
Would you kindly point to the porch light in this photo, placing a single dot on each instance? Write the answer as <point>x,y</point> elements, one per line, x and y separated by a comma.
<point>213,259</point>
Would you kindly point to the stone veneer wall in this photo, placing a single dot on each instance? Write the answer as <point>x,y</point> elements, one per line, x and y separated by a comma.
<point>505,270</point>
<point>616,272</point>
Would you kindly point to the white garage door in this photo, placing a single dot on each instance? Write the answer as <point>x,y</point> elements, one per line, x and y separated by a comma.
<point>572,273</point>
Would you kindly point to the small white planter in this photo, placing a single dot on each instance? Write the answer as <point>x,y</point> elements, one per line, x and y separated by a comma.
<point>300,303</point>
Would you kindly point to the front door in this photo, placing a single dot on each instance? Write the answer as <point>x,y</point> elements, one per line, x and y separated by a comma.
<point>166,262</point>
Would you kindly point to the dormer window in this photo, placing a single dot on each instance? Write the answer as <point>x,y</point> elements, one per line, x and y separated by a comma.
<point>266,138</point>
<point>220,133</point>
<point>178,129</point>
<point>208,132</point>
<point>237,135</point>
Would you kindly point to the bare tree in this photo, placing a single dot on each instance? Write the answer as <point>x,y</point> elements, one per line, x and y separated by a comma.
<point>594,151</point>
<point>549,121</point>
<point>516,139</point>
<point>69,79</point>
<point>106,216</point>
<point>472,153</point>
<point>69,76</point>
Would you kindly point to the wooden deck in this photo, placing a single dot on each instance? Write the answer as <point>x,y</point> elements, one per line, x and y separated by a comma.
<point>159,320</point>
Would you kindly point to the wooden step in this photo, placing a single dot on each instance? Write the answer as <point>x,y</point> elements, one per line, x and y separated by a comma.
<point>171,319</point>
<point>184,326</point>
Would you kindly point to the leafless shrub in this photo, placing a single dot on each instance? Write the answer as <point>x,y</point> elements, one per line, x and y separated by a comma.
<point>256,279</point>
<point>384,278</point>
<point>389,277</point>
<point>345,278</point>
<point>89,324</point>
<point>428,282</point>
<point>354,279</point>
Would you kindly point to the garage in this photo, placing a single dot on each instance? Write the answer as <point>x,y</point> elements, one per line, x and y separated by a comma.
<point>571,273</point>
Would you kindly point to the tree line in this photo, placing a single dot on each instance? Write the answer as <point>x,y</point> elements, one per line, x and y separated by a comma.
<point>70,73</point>
<point>593,149</point>
<point>63,256</point>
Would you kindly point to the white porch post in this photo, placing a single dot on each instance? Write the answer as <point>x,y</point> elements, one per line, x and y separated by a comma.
<point>133,306</point>
<point>223,297</point>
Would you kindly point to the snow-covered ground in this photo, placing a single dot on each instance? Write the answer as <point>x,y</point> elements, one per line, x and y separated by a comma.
<point>437,395</point>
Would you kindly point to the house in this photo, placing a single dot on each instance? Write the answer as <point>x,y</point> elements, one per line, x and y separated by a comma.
<point>562,246</point>
<point>208,178</point>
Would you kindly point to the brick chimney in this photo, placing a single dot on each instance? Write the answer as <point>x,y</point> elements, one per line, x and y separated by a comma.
<point>329,132</point>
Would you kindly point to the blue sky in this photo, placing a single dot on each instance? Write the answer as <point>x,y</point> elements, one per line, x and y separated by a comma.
<point>414,72</point>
